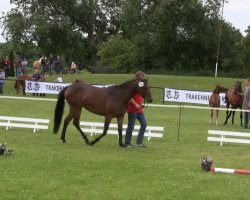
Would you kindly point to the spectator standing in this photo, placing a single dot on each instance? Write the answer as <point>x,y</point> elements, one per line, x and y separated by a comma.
<point>24,66</point>
<point>57,64</point>
<point>18,66</point>
<point>43,64</point>
<point>246,103</point>
<point>51,64</point>
<point>2,77</point>
<point>7,66</point>
<point>36,77</point>
<point>135,112</point>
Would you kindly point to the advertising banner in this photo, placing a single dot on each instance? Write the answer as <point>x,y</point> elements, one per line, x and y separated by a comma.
<point>48,87</point>
<point>190,96</point>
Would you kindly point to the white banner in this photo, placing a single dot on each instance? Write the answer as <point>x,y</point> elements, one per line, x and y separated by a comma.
<point>47,87</point>
<point>189,96</point>
<point>44,87</point>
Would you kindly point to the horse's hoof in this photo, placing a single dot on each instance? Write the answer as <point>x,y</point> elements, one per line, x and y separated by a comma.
<point>87,142</point>
<point>63,140</point>
<point>121,145</point>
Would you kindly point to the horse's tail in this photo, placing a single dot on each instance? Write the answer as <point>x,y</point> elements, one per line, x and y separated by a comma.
<point>59,110</point>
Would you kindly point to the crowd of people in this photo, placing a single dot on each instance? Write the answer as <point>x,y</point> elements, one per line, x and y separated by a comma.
<point>49,65</point>
<point>45,65</point>
<point>53,64</point>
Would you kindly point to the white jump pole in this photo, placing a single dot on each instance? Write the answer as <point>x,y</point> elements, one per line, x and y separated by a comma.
<point>230,171</point>
<point>207,165</point>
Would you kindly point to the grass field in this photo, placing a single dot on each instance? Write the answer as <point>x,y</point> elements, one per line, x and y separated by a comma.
<point>41,167</point>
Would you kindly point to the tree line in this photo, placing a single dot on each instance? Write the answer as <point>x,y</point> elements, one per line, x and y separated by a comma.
<point>151,35</point>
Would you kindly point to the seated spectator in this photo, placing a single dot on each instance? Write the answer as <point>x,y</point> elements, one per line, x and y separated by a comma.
<point>37,76</point>
<point>59,79</point>
<point>73,67</point>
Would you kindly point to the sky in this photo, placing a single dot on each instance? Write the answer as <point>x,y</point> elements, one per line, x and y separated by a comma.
<point>236,12</point>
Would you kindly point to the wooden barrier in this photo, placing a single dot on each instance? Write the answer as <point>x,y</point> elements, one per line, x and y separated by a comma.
<point>228,137</point>
<point>19,122</point>
<point>97,128</point>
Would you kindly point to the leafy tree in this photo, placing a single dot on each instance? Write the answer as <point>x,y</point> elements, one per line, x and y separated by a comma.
<point>129,34</point>
<point>117,52</point>
<point>246,51</point>
<point>11,57</point>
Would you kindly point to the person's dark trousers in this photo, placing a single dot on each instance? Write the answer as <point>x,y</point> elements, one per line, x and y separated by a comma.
<point>1,87</point>
<point>246,119</point>
<point>131,123</point>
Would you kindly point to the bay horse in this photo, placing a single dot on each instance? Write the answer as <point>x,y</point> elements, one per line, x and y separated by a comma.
<point>110,102</point>
<point>214,101</point>
<point>20,82</point>
<point>234,97</point>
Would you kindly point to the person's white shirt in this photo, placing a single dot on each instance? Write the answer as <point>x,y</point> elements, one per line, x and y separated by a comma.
<point>59,80</point>
<point>2,74</point>
<point>73,65</point>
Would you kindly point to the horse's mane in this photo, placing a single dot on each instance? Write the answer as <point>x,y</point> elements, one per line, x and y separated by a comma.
<point>237,87</point>
<point>219,89</point>
<point>124,83</point>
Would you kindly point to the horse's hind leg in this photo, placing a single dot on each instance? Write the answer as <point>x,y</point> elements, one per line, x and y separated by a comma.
<point>65,125</point>
<point>77,125</point>
<point>211,116</point>
<point>217,117</point>
<point>106,126</point>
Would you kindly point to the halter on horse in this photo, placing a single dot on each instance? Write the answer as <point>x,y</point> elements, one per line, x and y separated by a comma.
<point>234,97</point>
<point>214,101</point>
<point>110,102</point>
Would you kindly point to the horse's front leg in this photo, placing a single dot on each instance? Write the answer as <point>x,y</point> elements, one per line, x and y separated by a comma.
<point>120,123</point>
<point>233,117</point>
<point>227,117</point>
<point>241,118</point>
<point>105,129</point>
<point>24,93</point>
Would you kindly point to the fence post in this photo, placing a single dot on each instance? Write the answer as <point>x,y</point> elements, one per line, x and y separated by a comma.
<point>179,125</point>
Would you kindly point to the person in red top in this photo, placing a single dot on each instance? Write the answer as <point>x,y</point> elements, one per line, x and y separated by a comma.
<point>7,67</point>
<point>135,112</point>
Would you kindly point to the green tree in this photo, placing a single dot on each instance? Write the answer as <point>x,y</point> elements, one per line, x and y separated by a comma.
<point>117,52</point>
<point>11,57</point>
<point>246,51</point>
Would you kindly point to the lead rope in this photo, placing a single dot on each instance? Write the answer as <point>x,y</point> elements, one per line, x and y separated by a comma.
<point>145,104</point>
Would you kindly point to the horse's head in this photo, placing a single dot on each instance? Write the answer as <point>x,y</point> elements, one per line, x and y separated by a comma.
<point>144,90</point>
<point>219,88</point>
<point>237,87</point>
